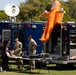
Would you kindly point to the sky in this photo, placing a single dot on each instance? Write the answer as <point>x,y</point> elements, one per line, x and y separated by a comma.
<point>3,3</point>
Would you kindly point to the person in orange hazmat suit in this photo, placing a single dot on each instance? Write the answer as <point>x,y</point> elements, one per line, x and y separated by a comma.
<point>55,16</point>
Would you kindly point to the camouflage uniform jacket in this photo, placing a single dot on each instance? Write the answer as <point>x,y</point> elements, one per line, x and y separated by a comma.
<point>18,48</point>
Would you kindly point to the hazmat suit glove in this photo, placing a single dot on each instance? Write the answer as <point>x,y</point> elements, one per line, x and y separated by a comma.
<point>45,12</point>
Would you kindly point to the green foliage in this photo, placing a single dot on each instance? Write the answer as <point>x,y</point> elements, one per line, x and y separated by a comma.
<point>3,16</point>
<point>72,8</point>
<point>32,9</point>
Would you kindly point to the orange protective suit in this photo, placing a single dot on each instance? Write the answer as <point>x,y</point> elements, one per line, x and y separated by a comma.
<point>54,16</point>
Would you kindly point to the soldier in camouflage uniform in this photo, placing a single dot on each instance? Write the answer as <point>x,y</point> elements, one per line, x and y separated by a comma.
<point>18,51</point>
<point>32,50</point>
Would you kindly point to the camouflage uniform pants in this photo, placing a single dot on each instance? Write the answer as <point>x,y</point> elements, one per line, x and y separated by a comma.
<point>32,62</point>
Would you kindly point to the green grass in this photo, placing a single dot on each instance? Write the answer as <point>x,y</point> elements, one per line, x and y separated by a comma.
<point>52,68</point>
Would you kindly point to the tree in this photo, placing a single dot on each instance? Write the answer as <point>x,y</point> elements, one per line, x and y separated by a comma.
<point>72,8</point>
<point>3,16</point>
<point>32,9</point>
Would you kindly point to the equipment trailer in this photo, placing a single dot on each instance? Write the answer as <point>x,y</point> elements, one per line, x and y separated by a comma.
<point>62,43</point>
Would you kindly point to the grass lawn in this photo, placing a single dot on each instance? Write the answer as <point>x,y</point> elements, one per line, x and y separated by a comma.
<point>52,68</point>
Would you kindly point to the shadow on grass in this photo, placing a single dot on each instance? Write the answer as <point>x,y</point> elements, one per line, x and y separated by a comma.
<point>62,67</point>
<point>36,71</point>
<point>26,71</point>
